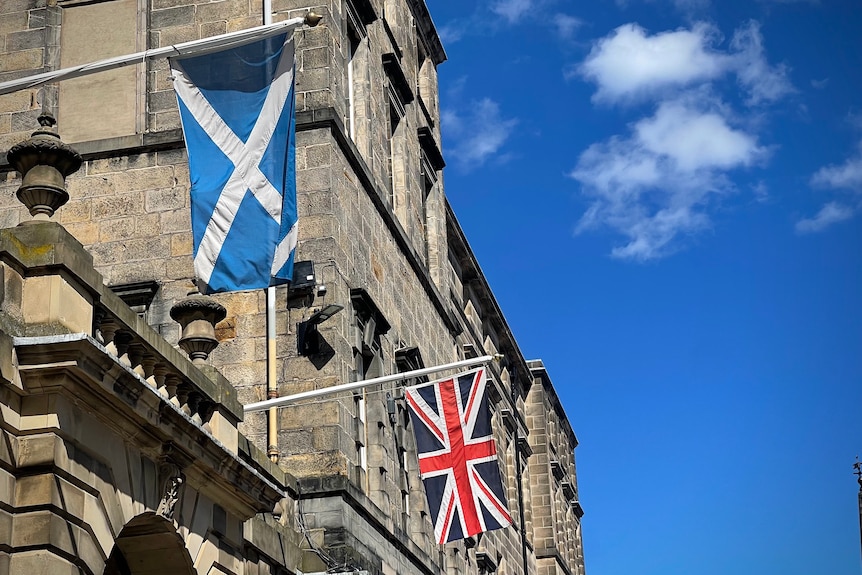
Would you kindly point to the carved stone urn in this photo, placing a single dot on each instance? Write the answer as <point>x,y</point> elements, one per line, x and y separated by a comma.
<point>44,161</point>
<point>198,316</point>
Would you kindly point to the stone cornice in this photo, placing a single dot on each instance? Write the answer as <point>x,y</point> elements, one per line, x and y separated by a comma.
<point>77,367</point>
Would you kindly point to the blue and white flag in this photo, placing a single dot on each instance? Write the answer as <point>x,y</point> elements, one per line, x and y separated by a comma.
<point>237,110</point>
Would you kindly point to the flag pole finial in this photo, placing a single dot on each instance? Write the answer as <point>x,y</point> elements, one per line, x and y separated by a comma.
<point>312,19</point>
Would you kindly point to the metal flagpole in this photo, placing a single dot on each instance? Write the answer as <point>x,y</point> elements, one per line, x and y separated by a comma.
<point>280,401</point>
<point>193,47</point>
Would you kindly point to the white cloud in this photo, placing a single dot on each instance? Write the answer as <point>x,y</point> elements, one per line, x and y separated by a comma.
<point>829,214</point>
<point>760,191</point>
<point>478,135</point>
<point>657,184</point>
<point>511,10</point>
<point>452,32</point>
<point>842,176</point>
<point>764,83</point>
<point>566,25</point>
<point>629,64</point>
<point>695,139</point>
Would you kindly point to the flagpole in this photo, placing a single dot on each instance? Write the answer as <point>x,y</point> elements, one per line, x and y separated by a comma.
<point>287,399</point>
<point>193,47</point>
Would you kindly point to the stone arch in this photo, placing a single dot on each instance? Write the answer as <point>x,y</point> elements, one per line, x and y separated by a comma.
<point>149,544</point>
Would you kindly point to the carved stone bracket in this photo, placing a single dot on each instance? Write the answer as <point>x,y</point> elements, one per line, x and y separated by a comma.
<point>172,480</point>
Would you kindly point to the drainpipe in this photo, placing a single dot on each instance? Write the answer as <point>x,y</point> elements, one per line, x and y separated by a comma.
<point>271,375</point>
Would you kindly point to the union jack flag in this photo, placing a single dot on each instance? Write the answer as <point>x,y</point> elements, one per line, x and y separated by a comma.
<point>457,456</point>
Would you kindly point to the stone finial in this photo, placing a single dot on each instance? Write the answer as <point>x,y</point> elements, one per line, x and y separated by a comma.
<point>197,316</point>
<point>44,161</point>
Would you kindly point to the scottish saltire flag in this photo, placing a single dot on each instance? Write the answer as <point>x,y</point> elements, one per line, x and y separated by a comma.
<point>237,111</point>
<point>457,456</point>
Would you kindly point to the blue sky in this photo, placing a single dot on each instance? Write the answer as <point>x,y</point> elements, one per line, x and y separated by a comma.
<point>666,197</point>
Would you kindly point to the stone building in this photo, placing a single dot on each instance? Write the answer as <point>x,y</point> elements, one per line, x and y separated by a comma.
<point>120,454</point>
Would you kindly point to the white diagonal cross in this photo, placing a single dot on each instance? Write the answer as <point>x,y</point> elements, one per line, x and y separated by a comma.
<point>246,159</point>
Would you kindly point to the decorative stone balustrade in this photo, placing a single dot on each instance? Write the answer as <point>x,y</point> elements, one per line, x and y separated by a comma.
<point>52,288</point>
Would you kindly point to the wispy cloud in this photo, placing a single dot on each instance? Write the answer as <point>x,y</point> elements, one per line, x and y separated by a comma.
<point>764,83</point>
<point>657,183</point>
<point>830,213</point>
<point>566,25</point>
<point>478,134</point>
<point>686,6</point>
<point>847,175</point>
<point>488,18</point>
<point>844,177</point>
<point>511,10</point>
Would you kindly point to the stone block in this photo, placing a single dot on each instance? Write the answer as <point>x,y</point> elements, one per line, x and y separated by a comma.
<point>318,156</point>
<point>176,221</point>
<point>14,18</point>
<point>17,102</point>
<point>53,300</point>
<point>25,40</point>
<point>181,245</point>
<point>314,179</point>
<point>165,99</point>
<point>315,58</point>
<point>41,562</point>
<point>152,178</point>
<point>222,11</point>
<point>213,29</point>
<point>176,16</point>
<point>32,490</point>
<point>24,121</point>
<point>127,204</point>
<point>166,200</point>
<point>148,225</point>
<point>171,157</point>
<point>225,431</point>
<point>146,248</point>
<point>88,187</point>
<point>235,24</point>
<point>116,229</point>
<point>120,164</point>
<point>162,4</point>
<point>21,60</point>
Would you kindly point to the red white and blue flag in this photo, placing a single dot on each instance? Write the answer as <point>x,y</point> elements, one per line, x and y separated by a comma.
<point>457,456</point>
